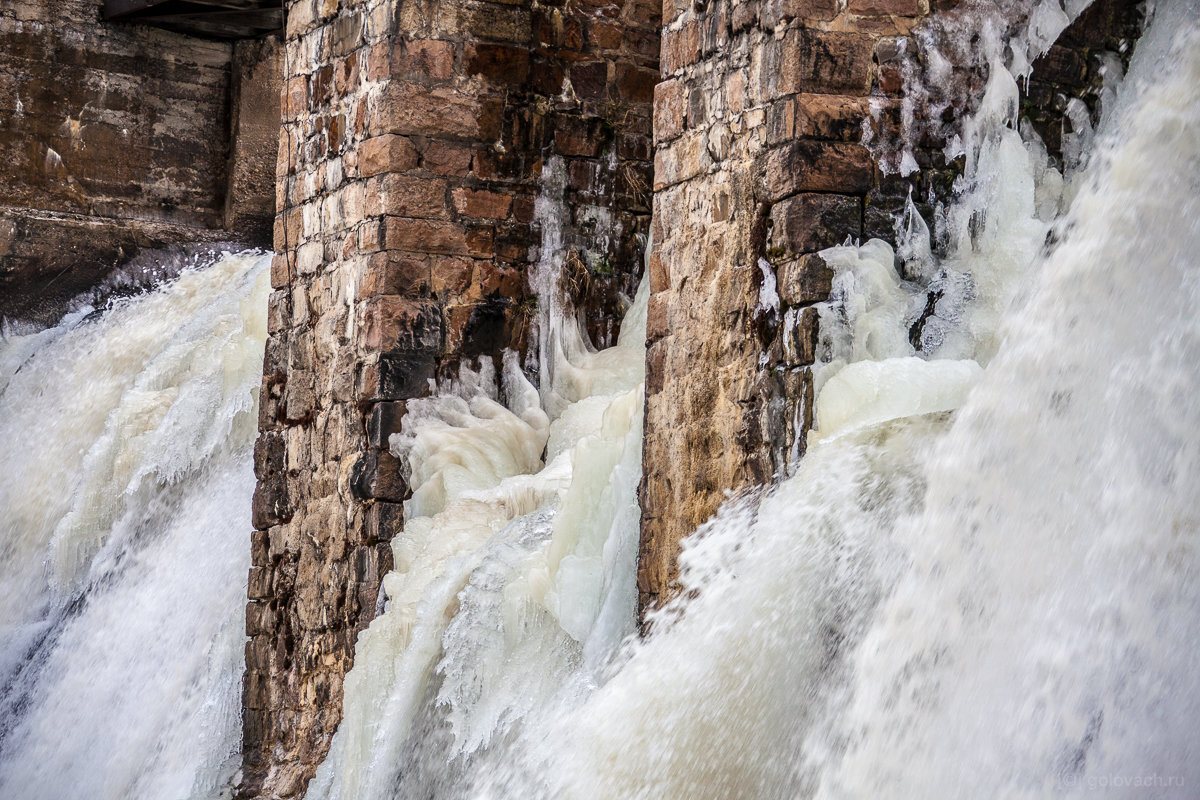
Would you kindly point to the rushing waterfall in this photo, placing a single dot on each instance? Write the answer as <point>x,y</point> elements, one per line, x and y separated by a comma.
<point>515,569</point>
<point>128,439</point>
<point>981,581</point>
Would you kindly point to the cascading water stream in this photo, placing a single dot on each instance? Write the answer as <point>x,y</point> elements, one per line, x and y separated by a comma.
<point>128,438</point>
<point>981,581</point>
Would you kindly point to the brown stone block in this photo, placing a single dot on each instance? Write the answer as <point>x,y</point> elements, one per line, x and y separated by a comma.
<point>657,326</point>
<point>392,273</point>
<point>490,165</point>
<point>656,366</point>
<point>683,159</point>
<point>397,376</point>
<point>486,21</point>
<point>574,136</point>
<point>259,583</point>
<point>660,275</point>
<point>800,338</point>
<point>523,206</point>
<point>497,62</point>
<point>669,110</point>
<point>680,48</point>
<point>808,222</point>
<point>413,109</point>
<point>295,97</point>
<point>481,203</point>
<point>385,154</point>
<point>409,195</point>
<point>817,166</point>
<point>590,80</point>
<point>804,280</point>
<point>450,276</point>
<point>400,323</point>
<point>825,116</point>
<point>635,84</point>
<point>384,521</point>
<point>379,61</point>
<point>383,421</point>
<point>345,77</point>
<point>427,236</point>
<point>279,271</point>
<point>493,278</point>
<point>606,36</point>
<point>447,158</point>
<point>883,8</point>
<point>428,58</point>
<point>377,474</point>
<point>809,9</point>
<point>826,62</point>
<point>260,619</point>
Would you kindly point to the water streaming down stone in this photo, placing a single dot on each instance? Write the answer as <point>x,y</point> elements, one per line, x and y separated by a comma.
<point>128,439</point>
<point>515,569</point>
<point>995,601</point>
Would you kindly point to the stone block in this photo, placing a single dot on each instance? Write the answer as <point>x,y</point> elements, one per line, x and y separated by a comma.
<point>384,521</point>
<point>398,323</point>
<point>575,136</point>
<point>423,58</point>
<point>383,421</point>
<point>428,236</point>
<point>804,280</point>
<point>669,109</point>
<point>682,160</point>
<point>447,158</point>
<point>484,21</point>
<point>480,203</point>
<point>822,10</point>
<point>805,223</point>
<point>387,153</point>
<point>391,273</point>
<point>887,8</point>
<point>826,62</point>
<point>497,62</point>
<point>408,195</point>
<point>377,475</point>
<point>680,48</point>
<point>589,80</point>
<point>800,337</point>
<point>817,166</point>
<point>414,109</point>
<point>635,84</point>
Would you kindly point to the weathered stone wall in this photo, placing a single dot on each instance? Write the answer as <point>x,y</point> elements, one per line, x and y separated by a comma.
<point>413,140</point>
<point>758,123</point>
<point>114,138</point>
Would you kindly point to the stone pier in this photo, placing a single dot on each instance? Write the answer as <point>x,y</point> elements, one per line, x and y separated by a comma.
<point>414,135</point>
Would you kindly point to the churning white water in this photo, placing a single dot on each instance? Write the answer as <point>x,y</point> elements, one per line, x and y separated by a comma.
<point>128,444</point>
<point>981,582</point>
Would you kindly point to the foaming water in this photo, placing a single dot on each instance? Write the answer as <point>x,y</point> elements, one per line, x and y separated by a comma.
<point>980,582</point>
<point>515,570</point>
<point>128,437</point>
<point>999,603</point>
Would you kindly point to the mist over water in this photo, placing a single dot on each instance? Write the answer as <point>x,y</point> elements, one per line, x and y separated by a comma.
<point>128,441</point>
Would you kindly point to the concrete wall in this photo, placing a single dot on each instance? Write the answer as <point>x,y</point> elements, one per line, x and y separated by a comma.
<point>413,142</point>
<point>115,138</point>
